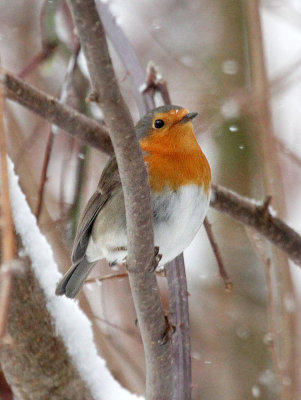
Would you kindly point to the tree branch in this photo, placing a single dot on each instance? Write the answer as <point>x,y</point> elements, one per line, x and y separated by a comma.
<point>179,319</point>
<point>34,359</point>
<point>137,199</point>
<point>47,51</point>
<point>218,256</point>
<point>76,124</point>
<point>256,216</point>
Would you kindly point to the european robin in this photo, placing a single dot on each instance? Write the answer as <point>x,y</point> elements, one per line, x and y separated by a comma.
<point>179,178</point>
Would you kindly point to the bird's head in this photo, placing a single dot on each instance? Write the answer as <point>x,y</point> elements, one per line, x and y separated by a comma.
<point>165,121</point>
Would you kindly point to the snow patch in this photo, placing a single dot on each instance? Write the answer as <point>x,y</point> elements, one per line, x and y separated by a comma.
<point>70,322</point>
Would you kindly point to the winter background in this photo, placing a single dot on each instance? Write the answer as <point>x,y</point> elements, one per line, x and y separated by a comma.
<point>203,53</point>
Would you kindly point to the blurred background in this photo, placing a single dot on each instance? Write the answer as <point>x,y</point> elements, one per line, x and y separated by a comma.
<point>237,63</point>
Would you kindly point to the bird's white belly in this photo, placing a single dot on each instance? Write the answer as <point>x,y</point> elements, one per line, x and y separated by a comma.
<point>178,217</point>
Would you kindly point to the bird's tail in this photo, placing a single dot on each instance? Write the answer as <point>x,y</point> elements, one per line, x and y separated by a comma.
<point>74,278</point>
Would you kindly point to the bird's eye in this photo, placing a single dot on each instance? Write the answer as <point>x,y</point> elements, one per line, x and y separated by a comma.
<point>158,123</point>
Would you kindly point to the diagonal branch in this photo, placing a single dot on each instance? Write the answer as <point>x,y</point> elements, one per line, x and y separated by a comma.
<point>257,216</point>
<point>137,199</point>
<point>75,123</point>
<point>218,256</point>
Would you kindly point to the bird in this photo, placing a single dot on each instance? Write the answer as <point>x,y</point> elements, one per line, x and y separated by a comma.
<point>180,182</point>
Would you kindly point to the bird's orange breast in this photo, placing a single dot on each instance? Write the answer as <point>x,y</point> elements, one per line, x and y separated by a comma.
<point>176,159</point>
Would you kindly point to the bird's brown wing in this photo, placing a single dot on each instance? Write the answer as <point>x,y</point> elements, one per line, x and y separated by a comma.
<point>109,181</point>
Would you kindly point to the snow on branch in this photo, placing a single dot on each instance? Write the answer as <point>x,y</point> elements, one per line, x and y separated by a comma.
<point>70,322</point>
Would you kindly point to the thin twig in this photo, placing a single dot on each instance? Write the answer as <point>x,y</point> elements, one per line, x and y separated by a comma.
<point>288,153</point>
<point>155,83</point>
<point>106,277</point>
<point>118,276</point>
<point>49,44</point>
<point>46,52</point>
<point>131,334</point>
<point>222,271</point>
<point>73,40</point>
<point>65,93</point>
<point>137,199</point>
<point>284,79</point>
<point>49,146</point>
<point>8,240</point>
<point>260,250</point>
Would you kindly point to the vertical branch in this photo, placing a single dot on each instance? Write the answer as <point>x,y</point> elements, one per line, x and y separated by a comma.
<point>285,326</point>
<point>179,319</point>
<point>259,248</point>
<point>137,199</point>
<point>44,172</point>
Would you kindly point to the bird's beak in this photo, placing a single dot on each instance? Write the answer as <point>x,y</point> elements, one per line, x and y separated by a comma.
<point>188,117</point>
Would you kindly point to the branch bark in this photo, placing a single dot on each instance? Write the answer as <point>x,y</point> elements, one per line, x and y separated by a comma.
<point>137,199</point>
<point>222,271</point>
<point>76,124</point>
<point>179,320</point>
<point>34,360</point>
<point>257,216</point>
